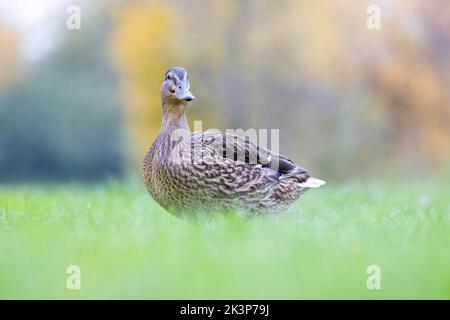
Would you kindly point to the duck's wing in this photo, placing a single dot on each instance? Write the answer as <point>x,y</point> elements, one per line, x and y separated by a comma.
<point>236,148</point>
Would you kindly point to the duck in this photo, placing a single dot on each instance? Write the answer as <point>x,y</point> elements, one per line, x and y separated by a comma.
<point>215,172</point>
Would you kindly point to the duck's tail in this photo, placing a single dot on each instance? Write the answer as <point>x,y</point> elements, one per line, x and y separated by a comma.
<point>312,182</point>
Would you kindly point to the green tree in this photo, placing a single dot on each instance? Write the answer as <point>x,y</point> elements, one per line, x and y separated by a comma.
<point>64,119</point>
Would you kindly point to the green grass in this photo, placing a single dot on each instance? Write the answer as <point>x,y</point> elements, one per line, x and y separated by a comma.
<point>128,247</point>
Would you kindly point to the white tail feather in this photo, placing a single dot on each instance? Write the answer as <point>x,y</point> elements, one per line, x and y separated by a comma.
<point>312,183</point>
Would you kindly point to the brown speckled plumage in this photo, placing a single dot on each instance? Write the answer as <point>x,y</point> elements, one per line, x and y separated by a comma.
<point>212,171</point>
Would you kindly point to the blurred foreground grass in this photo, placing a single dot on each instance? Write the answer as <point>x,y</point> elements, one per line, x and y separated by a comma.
<point>128,247</point>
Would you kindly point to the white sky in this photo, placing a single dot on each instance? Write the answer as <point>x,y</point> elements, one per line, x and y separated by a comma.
<point>36,22</point>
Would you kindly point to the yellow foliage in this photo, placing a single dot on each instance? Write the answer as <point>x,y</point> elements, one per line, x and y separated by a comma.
<point>250,55</point>
<point>143,43</point>
<point>8,56</point>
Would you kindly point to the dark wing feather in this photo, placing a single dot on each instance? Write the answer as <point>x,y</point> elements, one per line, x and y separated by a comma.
<point>242,149</point>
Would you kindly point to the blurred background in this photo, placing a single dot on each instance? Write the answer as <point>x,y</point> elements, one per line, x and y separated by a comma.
<point>350,102</point>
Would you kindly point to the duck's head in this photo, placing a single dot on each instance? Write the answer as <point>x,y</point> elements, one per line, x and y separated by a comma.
<point>175,88</point>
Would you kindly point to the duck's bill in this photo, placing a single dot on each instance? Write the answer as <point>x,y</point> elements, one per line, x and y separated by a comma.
<point>187,97</point>
<point>184,94</point>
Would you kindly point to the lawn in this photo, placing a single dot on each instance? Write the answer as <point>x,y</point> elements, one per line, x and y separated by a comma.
<point>128,247</point>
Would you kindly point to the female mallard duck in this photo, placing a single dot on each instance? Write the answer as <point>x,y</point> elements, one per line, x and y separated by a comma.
<point>213,171</point>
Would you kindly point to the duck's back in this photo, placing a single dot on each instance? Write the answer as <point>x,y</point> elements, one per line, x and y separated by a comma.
<point>202,176</point>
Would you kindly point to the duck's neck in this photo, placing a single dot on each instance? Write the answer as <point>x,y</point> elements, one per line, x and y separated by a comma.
<point>174,117</point>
